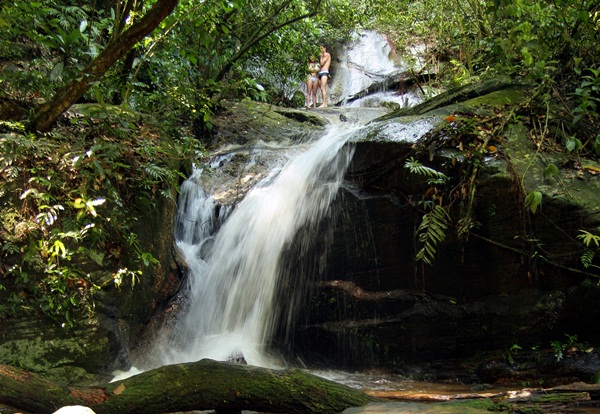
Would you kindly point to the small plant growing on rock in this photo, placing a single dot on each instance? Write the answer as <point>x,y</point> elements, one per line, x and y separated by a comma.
<point>592,244</point>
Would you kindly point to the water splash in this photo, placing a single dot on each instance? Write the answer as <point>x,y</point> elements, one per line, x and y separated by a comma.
<point>233,310</point>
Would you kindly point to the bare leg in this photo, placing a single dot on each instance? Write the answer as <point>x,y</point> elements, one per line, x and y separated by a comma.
<point>323,81</point>
<point>315,87</point>
<point>308,92</point>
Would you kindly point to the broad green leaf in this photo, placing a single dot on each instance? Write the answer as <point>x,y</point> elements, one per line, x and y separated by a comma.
<point>57,71</point>
<point>550,171</point>
<point>596,145</point>
<point>59,248</point>
<point>533,201</point>
<point>573,144</point>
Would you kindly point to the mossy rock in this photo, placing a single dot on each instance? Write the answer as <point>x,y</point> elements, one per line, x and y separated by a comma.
<point>73,355</point>
<point>244,122</point>
<point>461,94</point>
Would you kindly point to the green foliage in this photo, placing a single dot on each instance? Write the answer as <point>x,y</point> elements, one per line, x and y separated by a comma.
<point>434,223</point>
<point>208,51</point>
<point>573,144</point>
<point>588,92</point>
<point>570,346</point>
<point>52,41</point>
<point>550,171</point>
<point>533,201</point>
<point>511,354</point>
<point>471,39</point>
<point>589,238</point>
<point>75,201</point>
<point>596,145</point>
<point>434,177</point>
<point>591,251</point>
<point>431,232</point>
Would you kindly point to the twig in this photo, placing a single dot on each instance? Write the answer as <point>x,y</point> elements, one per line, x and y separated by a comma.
<point>524,253</point>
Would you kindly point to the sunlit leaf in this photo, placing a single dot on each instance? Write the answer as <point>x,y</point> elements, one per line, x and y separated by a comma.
<point>589,238</point>
<point>79,203</point>
<point>58,248</point>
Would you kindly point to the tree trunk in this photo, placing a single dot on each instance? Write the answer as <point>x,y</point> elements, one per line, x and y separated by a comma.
<point>202,385</point>
<point>127,67</point>
<point>49,112</point>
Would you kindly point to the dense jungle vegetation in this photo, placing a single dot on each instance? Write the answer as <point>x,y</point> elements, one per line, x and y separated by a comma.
<point>75,181</point>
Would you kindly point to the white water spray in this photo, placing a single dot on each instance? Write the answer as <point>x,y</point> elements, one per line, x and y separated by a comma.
<point>233,310</point>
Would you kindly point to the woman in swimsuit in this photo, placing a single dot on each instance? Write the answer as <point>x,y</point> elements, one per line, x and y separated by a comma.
<point>312,83</point>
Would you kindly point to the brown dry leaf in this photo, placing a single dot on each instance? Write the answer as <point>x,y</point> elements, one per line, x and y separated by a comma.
<point>591,169</point>
<point>119,390</point>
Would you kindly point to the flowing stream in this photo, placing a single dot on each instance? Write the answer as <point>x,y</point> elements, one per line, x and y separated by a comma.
<point>233,282</point>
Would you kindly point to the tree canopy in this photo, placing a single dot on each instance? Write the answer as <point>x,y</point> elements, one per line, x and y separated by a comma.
<point>194,53</point>
<point>181,54</point>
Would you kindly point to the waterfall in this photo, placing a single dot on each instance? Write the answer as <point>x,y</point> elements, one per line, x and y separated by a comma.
<point>232,310</point>
<point>366,68</point>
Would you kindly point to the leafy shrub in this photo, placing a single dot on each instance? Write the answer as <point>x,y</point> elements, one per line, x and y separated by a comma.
<point>71,202</point>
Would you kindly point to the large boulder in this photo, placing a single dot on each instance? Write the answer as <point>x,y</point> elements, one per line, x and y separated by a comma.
<point>516,279</point>
<point>513,280</point>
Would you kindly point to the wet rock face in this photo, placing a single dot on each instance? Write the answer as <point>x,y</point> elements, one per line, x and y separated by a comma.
<point>40,345</point>
<point>376,307</point>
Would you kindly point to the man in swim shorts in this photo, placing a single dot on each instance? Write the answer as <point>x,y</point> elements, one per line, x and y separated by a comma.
<point>325,60</point>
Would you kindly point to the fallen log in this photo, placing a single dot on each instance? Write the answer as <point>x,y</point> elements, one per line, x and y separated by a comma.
<point>202,385</point>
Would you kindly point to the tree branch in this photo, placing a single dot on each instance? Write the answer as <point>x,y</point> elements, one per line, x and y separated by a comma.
<point>49,112</point>
<point>256,38</point>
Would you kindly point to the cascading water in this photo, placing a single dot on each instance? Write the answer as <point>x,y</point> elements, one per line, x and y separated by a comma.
<point>232,288</point>
<point>366,68</point>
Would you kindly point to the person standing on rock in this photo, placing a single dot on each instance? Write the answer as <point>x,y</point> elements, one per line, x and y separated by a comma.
<point>312,83</point>
<point>325,60</point>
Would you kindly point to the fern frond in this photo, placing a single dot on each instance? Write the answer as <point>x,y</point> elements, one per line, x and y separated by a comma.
<point>587,258</point>
<point>415,167</point>
<point>589,238</point>
<point>432,232</point>
<point>155,172</point>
